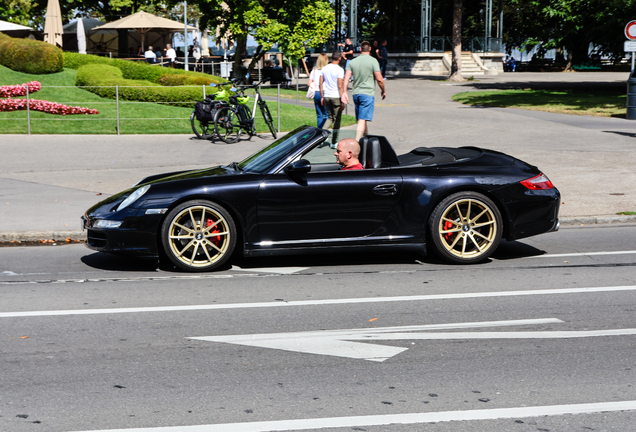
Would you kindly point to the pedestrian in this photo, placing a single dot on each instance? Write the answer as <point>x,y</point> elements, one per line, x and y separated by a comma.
<point>331,91</point>
<point>314,84</point>
<point>366,71</point>
<point>374,50</point>
<point>383,58</point>
<point>171,54</point>
<point>347,51</point>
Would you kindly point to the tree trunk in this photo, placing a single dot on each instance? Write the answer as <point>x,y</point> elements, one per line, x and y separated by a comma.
<point>559,56</point>
<point>241,48</point>
<point>456,66</point>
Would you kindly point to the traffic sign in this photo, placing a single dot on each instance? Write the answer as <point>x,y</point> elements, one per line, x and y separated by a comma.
<point>630,46</point>
<point>630,30</point>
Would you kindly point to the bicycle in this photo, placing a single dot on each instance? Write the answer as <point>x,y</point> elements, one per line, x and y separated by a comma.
<point>231,120</point>
<point>202,118</point>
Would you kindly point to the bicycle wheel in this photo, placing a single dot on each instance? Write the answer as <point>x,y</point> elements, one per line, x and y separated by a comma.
<point>226,125</point>
<point>267,116</point>
<point>202,130</point>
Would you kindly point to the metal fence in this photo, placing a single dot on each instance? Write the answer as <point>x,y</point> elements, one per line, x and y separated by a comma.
<point>476,44</point>
<point>119,111</point>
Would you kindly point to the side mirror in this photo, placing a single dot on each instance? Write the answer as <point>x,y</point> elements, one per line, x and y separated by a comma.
<point>301,166</point>
<point>212,85</point>
<point>247,75</point>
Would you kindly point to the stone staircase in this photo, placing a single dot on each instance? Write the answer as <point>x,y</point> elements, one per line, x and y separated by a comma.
<point>471,65</point>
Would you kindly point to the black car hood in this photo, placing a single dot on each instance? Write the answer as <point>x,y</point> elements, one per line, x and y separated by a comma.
<point>187,175</point>
<point>218,171</point>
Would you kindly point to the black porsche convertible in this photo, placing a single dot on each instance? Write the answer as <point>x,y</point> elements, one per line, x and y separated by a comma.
<point>291,197</point>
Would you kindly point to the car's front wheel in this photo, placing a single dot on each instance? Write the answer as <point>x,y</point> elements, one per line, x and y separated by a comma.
<point>198,236</point>
<point>465,228</point>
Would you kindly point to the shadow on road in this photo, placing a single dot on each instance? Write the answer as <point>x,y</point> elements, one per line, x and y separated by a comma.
<point>353,261</point>
<point>514,249</point>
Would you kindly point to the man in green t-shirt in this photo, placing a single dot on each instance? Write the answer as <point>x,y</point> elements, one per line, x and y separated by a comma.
<point>366,71</point>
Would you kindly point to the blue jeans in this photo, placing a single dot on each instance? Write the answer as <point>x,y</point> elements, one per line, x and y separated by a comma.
<point>321,111</point>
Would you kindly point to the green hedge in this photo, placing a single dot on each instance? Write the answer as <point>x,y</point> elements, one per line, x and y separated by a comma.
<point>105,77</point>
<point>138,70</point>
<point>30,56</point>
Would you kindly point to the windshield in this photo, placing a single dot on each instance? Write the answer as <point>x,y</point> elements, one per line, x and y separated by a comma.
<point>265,159</point>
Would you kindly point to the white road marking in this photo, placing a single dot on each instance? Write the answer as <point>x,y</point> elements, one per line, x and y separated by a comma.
<point>584,254</point>
<point>395,419</point>
<point>557,291</point>
<point>274,270</point>
<point>337,342</point>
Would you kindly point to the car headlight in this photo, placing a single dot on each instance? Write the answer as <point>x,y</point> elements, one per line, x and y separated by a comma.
<point>106,224</point>
<point>133,197</point>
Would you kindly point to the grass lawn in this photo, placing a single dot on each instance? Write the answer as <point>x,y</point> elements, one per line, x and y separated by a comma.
<point>590,103</point>
<point>135,117</point>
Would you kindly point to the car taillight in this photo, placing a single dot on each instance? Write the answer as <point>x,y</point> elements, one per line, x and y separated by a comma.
<point>539,182</point>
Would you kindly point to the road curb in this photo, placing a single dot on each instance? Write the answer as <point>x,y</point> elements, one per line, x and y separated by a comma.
<point>37,236</point>
<point>597,220</point>
<point>75,236</point>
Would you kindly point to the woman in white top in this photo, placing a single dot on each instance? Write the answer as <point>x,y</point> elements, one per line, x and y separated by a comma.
<point>314,83</point>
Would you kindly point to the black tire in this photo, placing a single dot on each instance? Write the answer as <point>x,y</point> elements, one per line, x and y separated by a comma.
<point>268,117</point>
<point>465,228</point>
<point>226,125</point>
<point>203,130</point>
<point>198,236</point>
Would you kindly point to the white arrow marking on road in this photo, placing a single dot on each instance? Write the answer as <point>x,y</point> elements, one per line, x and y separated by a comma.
<point>339,342</point>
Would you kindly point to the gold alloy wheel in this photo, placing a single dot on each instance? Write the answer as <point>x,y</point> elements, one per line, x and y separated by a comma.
<point>198,237</point>
<point>468,229</point>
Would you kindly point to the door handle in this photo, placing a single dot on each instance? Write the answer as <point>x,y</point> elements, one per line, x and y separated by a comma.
<point>385,189</point>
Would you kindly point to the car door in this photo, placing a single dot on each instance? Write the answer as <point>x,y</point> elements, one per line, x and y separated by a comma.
<point>326,204</point>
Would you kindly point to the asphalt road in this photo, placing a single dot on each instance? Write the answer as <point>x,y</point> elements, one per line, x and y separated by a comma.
<point>542,337</point>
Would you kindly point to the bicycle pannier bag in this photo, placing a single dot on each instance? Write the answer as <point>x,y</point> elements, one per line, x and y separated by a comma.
<point>204,111</point>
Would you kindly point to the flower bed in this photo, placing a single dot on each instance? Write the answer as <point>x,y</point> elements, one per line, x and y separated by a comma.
<point>35,104</point>
<point>19,90</point>
<point>44,106</point>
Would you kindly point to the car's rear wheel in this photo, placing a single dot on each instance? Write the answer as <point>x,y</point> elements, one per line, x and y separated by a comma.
<point>465,228</point>
<point>198,236</point>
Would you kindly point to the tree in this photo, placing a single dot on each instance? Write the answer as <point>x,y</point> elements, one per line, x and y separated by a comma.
<point>456,66</point>
<point>291,24</point>
<point>568,25</point>
<point>17,11</point>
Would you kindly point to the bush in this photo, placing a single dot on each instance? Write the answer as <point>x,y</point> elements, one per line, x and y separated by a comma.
<point>105,77</point>
<point>179,80</point>
<point>141,70</point>
<point>30,56</point>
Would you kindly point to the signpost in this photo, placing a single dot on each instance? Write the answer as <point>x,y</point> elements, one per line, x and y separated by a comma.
<point>630,47</point>
<point>630,43</point>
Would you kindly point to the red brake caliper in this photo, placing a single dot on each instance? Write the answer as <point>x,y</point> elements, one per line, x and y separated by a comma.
<point>448,236</point>
<point>216,240</point>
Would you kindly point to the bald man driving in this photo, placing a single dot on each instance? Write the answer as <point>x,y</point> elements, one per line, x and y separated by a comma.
<point>347,154</point>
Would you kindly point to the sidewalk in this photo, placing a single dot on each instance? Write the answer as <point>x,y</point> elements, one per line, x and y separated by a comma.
<point>48,181</point>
